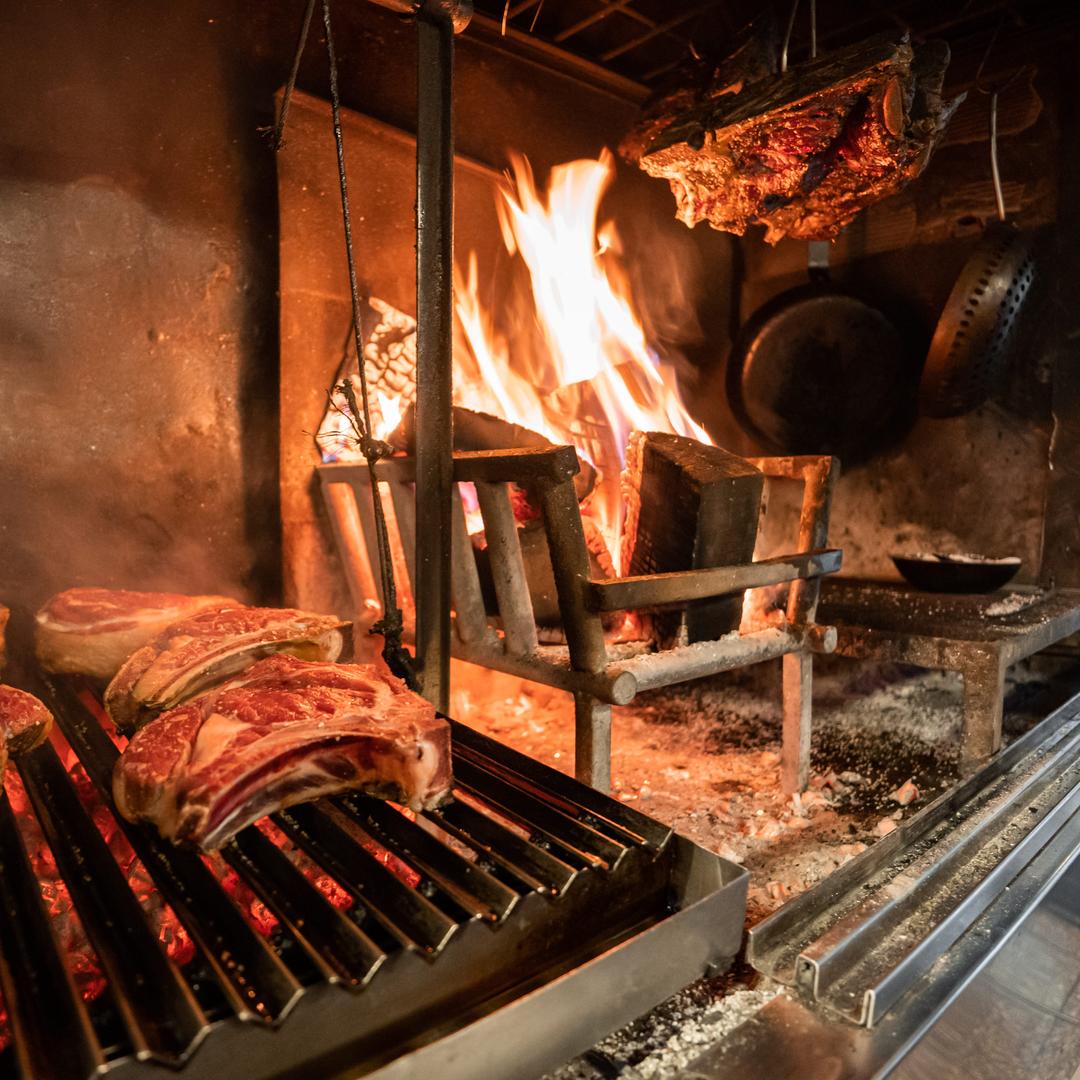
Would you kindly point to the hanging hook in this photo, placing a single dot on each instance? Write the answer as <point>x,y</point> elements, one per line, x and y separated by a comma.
<point>999,198</point>
<point>791,26</point>
<point>787,36</point>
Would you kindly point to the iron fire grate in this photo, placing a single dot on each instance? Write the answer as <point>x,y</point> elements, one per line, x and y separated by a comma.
<point>510,928</point>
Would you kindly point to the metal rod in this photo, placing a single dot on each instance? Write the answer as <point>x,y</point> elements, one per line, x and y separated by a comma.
<point>434,348</point>
<point>999,198</point>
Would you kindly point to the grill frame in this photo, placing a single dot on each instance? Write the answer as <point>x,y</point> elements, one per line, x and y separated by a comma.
<point>518,960</point>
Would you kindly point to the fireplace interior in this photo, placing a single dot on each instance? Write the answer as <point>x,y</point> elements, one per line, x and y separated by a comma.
<point>738,790</point>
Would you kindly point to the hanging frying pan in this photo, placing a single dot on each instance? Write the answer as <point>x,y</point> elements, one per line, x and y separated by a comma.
<point>976,334</point>
<point>817,371</point>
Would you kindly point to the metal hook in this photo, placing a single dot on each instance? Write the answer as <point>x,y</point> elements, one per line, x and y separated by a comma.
<point>999,198</point>
<point>787,36</point>
<point>791,27</point>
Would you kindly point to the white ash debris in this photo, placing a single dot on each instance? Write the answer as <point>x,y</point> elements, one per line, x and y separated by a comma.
<point>1011,604</point>
<point>663,1044</point>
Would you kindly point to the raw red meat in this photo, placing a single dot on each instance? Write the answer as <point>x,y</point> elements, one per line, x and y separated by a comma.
<point>197,653</point>
<point>93,631</point>
<point>24,722</point>
<point>803,152</point>
<point>283,732</point>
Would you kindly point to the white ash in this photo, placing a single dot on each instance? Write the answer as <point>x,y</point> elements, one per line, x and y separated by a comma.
<point>665,1042</point>
<point>1011,604</point>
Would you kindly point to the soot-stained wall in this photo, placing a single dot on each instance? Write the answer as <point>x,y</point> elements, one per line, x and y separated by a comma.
<point>139,267</point>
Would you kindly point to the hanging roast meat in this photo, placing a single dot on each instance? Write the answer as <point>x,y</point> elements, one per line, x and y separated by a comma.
<point>803,152</point>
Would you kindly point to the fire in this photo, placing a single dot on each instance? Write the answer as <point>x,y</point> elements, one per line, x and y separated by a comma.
<point>566,357</point>
<point>595,377</point>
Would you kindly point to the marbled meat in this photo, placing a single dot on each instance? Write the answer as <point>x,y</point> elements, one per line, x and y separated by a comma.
<point>93,631</point>
<point>197,653</point>
<point>283,732</point>
<point>24,722</point>
<point>803,152</point>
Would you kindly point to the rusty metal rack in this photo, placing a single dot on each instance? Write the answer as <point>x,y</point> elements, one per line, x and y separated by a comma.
<point>892,621</point>
<point>597,676</point>
<point>531,902</point>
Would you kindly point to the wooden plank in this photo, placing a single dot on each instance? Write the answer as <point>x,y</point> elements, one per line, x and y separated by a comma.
<point>507,568</point>
<point>689,506</point>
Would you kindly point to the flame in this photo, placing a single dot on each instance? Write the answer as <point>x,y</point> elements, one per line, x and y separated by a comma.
<point>595,377</point>
<point>390,413</point>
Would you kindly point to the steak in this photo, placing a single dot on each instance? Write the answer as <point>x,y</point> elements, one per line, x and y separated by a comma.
<point>5,614</point>
<point>803,152</point>
<point>197,653</point>
<point>24,722</point>
<point>283,732</point>
<point>93,631</point>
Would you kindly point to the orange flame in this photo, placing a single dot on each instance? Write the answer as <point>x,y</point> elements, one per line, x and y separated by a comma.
<point>595,379</point>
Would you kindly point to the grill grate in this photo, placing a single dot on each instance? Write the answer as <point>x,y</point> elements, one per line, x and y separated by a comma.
<point>523,877</point>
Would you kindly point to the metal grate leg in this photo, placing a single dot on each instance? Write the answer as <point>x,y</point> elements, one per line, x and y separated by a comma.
<point>592,741</point>
<point>795,751</point>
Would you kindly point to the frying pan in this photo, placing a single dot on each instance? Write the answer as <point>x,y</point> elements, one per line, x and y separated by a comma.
<point>976,334</point>
<point>817,371</point>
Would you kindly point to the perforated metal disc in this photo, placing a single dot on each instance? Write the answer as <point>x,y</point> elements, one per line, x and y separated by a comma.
<point>977,329</point>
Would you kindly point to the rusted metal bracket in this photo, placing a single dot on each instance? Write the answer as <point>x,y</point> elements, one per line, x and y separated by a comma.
<point>596,676</point>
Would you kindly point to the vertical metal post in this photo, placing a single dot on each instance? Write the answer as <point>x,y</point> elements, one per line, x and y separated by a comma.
<point>434,347</point>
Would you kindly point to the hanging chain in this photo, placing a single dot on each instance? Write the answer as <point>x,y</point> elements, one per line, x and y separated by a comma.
<point>391,624</point>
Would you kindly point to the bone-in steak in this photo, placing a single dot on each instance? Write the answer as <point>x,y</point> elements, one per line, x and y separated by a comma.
<point>285,731</point>
<point>24,722</point>
<point>93,631</point>
<point>197,653</point>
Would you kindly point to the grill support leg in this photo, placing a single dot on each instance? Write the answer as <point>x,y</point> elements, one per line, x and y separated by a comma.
<point>434,345</point>
<point>795,751</point>
<point>984,693</point>
<point>592,741</point>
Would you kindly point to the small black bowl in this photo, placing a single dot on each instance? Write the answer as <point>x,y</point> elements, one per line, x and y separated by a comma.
<point>936,572</point>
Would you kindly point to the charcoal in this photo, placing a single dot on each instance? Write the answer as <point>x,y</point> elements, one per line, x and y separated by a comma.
<point>689,506</point>
<point>803,152</point>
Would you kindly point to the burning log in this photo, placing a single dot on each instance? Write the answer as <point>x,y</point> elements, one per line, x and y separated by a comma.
<point>804,152</point>
<point>689,506</point>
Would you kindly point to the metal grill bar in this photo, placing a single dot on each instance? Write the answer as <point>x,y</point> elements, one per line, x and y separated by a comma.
<point>532,812</point>
<point>159,1011</point>
<point>479,893</point>
<point>412,919</point>
<point>573,798</point>
<point>532,865</point>
<point>256,982</point>
<point>348,955</point>
<point>53,1035</point>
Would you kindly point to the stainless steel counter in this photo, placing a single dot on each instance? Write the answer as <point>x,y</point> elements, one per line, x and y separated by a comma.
<point>999,1006</point>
